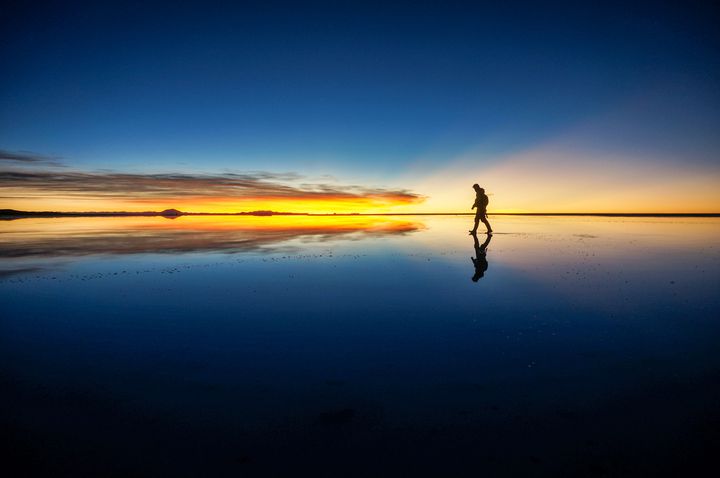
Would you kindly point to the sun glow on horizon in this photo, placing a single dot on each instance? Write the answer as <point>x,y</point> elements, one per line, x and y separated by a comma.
<point>213,205</point>
<point>556,180</point>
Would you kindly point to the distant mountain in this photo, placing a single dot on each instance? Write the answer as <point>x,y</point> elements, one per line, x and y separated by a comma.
<point>11,212</point>
<point>171,212</point>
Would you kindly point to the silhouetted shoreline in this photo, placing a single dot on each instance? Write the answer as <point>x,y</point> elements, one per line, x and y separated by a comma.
<point>9,214</point>
<point>168,213</point>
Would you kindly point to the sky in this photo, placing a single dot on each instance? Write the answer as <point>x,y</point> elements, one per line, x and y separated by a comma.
<point>365,107</point>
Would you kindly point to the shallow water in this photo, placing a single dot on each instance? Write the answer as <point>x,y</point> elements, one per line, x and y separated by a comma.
<point>360,346</point>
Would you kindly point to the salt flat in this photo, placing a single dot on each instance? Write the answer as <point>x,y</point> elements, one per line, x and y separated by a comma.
<point>360,345</point>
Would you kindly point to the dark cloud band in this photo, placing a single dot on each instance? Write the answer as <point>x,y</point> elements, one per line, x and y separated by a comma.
<point>26,157</point>
<point>144,187</point>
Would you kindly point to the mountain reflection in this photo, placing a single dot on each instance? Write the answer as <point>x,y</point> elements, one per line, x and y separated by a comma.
<point>61,237</point>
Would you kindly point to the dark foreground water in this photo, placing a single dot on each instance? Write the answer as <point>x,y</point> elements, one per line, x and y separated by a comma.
<point>360,346</point>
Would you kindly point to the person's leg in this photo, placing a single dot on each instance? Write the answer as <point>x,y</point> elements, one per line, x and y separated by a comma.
<point>477,220</point>
<point>485,221</point>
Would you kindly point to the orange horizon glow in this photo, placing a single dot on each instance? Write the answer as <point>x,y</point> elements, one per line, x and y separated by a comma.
<point>617,205</point>
<point>210,205</point>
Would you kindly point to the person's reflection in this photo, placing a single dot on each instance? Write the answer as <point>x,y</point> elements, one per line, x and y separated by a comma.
<point>480,261</point>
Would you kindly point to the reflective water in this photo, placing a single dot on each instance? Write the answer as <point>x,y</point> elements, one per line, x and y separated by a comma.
<point>360,346</point>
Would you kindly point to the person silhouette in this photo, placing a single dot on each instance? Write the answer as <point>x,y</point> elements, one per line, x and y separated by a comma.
<point>481,203</point>
<point>480,260</point>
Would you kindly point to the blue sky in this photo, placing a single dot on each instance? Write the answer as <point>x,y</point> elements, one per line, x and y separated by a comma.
<point>361,92</point>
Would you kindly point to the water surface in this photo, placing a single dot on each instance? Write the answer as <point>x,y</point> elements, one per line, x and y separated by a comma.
<point>360,346</point>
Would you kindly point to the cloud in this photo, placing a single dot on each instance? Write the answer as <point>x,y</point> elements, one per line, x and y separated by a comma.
<point>29,158</point>
<point>135,187</point>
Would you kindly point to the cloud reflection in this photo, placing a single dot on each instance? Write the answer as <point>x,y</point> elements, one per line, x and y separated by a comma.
<point>73,237</point>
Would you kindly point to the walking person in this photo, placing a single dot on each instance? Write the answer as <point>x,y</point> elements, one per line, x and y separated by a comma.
<point>481,203</point>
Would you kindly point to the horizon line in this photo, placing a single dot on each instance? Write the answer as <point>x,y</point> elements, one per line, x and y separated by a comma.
<point>12,213</point>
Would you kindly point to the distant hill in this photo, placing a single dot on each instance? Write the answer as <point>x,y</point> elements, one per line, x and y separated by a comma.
<point>171,212</point>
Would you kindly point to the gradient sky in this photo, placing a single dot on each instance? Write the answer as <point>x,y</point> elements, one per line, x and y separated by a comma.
<point>561,107</point>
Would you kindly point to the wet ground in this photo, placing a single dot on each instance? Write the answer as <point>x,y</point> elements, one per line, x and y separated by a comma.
<point>360,346</point>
